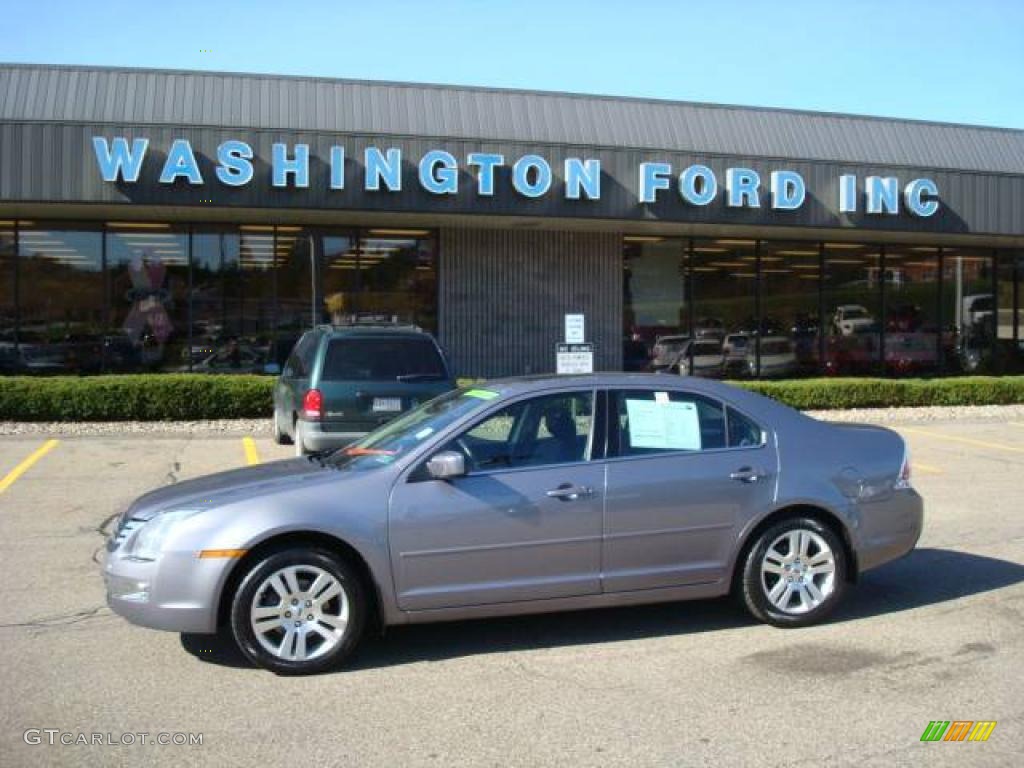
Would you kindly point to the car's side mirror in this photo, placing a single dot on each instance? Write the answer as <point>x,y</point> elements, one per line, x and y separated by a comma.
<point>446,465</point>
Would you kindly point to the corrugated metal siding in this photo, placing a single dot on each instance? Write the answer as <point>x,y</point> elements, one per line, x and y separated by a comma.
<point>98,95</point>
<point>504,294</point>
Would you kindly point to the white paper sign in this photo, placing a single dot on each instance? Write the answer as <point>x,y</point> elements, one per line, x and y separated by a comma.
<point>667,426</point>
<point>574,358</point>
<point>574,329</point>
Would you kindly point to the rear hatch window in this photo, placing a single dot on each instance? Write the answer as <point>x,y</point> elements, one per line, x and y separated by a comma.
<point>382,359</point>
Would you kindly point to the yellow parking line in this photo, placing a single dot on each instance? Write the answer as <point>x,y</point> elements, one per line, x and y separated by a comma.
<point>964,440</point>
<point>252,456</point>
<point>24,467</point>
<point>928,469</point>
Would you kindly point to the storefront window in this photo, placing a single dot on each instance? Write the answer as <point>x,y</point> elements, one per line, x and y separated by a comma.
<point>791,345</point>
<point>968,310</point>
<point>232,301</point>
<point>654,301</point>
<point>8,312</point>
<point>147,266</point>
<point>912,339</point>
<point>295,256</point>
<point>724,274</point>
<point>62,326</point>
<point>397,276</point>
<point>340,278</point>
<point>852,294</point>
<point>380,275</point>
<point>1009,347</point>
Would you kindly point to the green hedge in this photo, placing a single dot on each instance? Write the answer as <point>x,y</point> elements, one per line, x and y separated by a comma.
<point>827,394</point>
<point>169,397</point>
<point>144,397</point>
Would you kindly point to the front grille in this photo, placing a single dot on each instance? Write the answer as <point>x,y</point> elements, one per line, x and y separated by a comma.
<point>125,528</point>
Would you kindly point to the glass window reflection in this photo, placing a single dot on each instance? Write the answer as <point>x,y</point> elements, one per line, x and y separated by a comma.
<point>62,301</point>
<point>147,266</point>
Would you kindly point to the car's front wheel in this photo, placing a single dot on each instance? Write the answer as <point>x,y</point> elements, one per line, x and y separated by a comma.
<point>794,574</point>
<point>299,611</point>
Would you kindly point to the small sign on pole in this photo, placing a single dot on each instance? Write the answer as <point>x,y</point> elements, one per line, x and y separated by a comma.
<point>574,329</point>
<point>574,358</point>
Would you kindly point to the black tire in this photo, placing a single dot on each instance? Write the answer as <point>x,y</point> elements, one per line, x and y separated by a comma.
<point>754,585</point>
<point>253,583</point>
<point>280,436</point>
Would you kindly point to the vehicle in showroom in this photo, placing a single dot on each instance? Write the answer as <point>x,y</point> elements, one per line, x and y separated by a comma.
<point>521,496</point>
<point>666,351</point>
<point>342,382</point>
<point>700,358</point>
<point>851,318</point>
<point>778,358</point>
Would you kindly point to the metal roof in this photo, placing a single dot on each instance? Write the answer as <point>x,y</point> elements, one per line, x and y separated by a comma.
<point>45,93</point>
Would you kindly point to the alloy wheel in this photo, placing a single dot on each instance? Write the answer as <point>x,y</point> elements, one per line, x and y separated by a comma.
<point>299,613</point>
<point>798,571</point>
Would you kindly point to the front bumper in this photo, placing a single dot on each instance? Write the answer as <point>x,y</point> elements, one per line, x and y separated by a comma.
<point>178,592</point>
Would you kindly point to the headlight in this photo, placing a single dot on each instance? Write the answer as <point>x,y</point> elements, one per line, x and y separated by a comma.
<point>149,538</point>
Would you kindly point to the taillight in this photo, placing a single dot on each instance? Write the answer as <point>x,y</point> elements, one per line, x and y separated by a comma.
<point>313,404</point>
<point>903,481</point>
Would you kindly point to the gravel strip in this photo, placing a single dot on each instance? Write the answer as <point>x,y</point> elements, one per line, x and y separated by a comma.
<point>945,413</point>
<point>256,427</point>
<point>261,427</point>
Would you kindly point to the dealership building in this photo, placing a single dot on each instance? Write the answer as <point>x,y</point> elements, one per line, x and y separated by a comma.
<point>169,221</point>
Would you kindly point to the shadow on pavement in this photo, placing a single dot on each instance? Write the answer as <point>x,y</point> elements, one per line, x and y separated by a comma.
<point>924,577</point>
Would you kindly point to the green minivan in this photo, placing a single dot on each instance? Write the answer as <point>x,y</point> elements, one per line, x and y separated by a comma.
<point>341,382</point>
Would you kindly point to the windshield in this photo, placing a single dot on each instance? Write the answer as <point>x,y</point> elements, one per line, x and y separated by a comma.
<point>855,313</point>
<point>385,445</point>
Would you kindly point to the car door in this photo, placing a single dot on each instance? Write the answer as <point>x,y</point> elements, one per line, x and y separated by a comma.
<point>525,521</point>
<point>681,482</point>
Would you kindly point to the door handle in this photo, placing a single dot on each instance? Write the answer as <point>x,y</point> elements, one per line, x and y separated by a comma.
<point>746,475</point>
<point>567,492</point>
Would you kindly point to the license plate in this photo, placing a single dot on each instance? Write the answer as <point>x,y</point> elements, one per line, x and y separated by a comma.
<point>387,404</point>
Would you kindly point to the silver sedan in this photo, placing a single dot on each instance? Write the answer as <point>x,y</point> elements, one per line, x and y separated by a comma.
<point>521,496</point>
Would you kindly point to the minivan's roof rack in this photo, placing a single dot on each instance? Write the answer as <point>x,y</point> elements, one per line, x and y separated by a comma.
<point>371,321</point>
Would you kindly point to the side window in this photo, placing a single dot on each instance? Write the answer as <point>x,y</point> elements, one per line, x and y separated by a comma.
<point>743,433</point>
<point>553,429</point>
<point>300,362</point>
<point>651,422</point>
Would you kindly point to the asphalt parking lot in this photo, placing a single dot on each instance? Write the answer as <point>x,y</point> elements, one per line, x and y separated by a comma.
<point>935,636</point>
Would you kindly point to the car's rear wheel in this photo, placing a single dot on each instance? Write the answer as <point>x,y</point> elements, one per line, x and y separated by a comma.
<point>280,436</point>
<point>299,611</point>
<point>794,574</point>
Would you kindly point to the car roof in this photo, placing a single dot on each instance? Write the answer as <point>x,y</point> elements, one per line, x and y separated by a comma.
<point>750,402</point>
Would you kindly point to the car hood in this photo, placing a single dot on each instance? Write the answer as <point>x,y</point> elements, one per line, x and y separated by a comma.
<point>225,487</point>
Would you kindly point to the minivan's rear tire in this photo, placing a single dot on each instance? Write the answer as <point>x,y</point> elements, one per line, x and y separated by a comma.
<point>794,573</point>
<point>299,611</point>
<point>280,436</point>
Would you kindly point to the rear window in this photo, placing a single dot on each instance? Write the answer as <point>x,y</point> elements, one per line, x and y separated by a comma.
<point>380,359</point>
<point>775,347</point>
